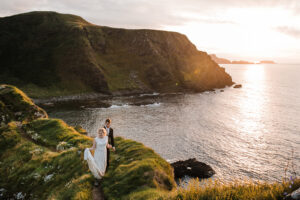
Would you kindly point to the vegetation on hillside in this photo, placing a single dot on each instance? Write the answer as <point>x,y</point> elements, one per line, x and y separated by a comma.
<point>50,54</point>
<point>16,106</point>
<point>136,172</point>
<point>31,168</point>
<point>42,158</point>
<point>237,190</point>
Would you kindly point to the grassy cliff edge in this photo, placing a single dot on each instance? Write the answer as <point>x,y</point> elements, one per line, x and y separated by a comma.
<point>42,158</point>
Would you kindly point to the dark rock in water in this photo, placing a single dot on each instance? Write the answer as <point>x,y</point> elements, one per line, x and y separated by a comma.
<point>193,168</point>
<point>237,86</point>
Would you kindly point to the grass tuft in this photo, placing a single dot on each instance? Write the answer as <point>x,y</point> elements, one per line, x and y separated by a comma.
<point>236,190</point>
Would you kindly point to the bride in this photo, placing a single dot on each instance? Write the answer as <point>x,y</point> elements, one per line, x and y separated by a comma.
<point>97,163</point>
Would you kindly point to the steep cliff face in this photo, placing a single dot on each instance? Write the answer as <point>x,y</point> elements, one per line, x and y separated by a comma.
<point>50,50</point>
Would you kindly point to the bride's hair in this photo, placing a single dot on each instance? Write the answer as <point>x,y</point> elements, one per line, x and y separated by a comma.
<point>102,130</point>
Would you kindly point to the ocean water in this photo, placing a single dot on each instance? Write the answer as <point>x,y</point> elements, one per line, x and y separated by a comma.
<point>251,132</point>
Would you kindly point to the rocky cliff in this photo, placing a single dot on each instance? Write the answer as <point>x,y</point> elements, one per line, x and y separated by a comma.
<point>48,51</point>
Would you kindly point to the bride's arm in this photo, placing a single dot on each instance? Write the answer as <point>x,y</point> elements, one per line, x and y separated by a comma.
<point>108,146</point>
<point>94,145</point>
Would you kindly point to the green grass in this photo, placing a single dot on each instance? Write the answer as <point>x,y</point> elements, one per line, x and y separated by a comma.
<point>136,172</point>
<point>16,105</point>
<point>42,158</point>
<point>46,133</point>
<point>236,190</point>
<point>29,154</point>
<point>30,168</point>
<point>63,89</point>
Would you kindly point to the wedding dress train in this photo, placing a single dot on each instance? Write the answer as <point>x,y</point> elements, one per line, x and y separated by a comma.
<point>97,163</point>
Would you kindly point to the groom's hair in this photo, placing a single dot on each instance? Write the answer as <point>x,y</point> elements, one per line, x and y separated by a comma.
<point>108,121</point>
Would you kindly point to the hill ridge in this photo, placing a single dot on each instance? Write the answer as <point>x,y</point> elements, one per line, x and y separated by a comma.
<point>49,54</point>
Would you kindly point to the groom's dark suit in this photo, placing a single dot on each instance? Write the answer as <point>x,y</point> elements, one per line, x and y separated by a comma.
<point>110,135</point>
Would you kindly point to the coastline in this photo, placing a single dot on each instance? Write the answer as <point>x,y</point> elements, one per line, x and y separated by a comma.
<point>45,156</point>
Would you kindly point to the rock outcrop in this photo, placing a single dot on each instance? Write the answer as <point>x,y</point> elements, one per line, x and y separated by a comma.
<point>237,86</point>
<point>16,106</point>
<point>192,168</point>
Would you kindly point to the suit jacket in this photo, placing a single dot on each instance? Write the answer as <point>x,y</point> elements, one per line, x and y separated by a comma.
<point>110,136</point>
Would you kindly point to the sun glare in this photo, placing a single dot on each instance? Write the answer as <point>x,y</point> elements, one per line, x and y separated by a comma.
<point>246,33</point>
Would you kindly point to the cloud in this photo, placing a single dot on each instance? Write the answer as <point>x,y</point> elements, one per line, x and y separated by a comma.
<point>293,32</point>
<point>213,25</point>
<point>120,13</point>
<point>140,13</point>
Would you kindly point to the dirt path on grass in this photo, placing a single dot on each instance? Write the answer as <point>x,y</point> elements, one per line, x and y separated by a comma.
<point>98,193</point>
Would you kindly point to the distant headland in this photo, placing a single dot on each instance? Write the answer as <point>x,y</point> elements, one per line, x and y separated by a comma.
<point>226,61</point>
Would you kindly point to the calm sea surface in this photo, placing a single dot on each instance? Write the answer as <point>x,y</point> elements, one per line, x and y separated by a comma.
<point>251,132</point>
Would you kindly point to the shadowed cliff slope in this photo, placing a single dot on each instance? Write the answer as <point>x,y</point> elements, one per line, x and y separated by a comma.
<point>48,51</point>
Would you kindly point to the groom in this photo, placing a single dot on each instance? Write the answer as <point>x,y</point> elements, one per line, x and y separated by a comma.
<point>110,134</point>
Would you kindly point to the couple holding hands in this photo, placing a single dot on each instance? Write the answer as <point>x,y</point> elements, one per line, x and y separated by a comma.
<point>103,142</point>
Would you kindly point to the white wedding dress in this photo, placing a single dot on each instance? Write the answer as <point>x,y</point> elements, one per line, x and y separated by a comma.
<point>97,163</point>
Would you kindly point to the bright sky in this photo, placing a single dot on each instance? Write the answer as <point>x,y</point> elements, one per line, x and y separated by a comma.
<point>235,29</point>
